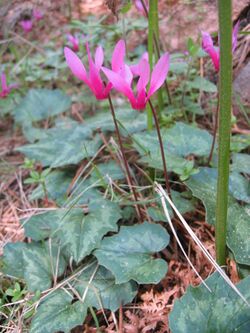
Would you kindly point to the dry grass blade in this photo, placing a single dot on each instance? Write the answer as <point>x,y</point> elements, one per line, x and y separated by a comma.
<point>177,238</point>
<point>163,194</point>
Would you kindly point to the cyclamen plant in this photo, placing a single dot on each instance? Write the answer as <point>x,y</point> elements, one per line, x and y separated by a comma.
<point>122,79</point>
<point>27,25</point>
<point>213,51</point>
<point>74,41</point>
<point>139,6</point>
<point>92,79</point>
<point>37,14</point>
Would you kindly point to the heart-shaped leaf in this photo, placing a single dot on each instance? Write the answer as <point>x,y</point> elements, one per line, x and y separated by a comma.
<point>40,263</point>
<point>102,291</point>
<point>219,311</point>
<point>203,186</point>
<point>179,140</point>
<point>129,254</point>
<point>58,313</point>
<point>40,104</point>
<point>79,233</point>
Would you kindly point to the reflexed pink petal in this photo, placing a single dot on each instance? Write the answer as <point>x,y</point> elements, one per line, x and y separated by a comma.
<point>75,65</point>
<point>207,41</point>
<point>95,79</point>
<point>135,68</point>
<point>235,34</point>
<point>94,75</point>
<point>127,74</point>
<point>117,62</point>
<point>159,74</point>
<point>144,73</point>
<point>37,14</point>
<point>139,6</point>
<point>215,56</point>
<point>26,25</point>
<point>208,47</point>
<point>99,57</point>
<point>119,83</point>
<point>74,41</point>
<point>107,89</point>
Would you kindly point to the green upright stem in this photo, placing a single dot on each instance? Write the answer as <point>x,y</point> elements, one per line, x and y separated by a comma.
<point>225,98</point>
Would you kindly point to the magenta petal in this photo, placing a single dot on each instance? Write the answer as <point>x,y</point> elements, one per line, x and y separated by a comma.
<point>144,73</point>
<point>75,64</point>
<point>127,74</point>
<point>159,74</point>
<point>99,57</point>
<point>215,56</point>
<point>119,83</point>
<point>117,62</point>
<point>207,41</point>
<point>135,68</point>
<point>235,34</point>
<point>95,80</point>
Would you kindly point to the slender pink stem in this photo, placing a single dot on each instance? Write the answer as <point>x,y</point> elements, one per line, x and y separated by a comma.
<point>130,181</point>
<point>161,148</point>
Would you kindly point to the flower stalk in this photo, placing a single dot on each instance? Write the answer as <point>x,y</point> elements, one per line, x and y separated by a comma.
<point>161,148</point>
<point>225,98</point>
<point>129,178</point>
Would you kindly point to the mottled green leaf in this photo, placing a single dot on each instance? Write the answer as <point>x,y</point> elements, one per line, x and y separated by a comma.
<point>174,163</point>
<point>219,311</point>
<point>40,263</point>
<point>79,233</point>
<point>63,149</point>
<point>239,142</point>
<point>129,254</point>
<point>239,187</point>
<point>40,104</point>
<point>13,263</point>
<point>131,121</point>
<point>103,292</point>
<point>84,233</point>
<point>105,171</point>
<point>58,184</point>
<point>241,163</point>
<point>203,186</point>
<point>200,83</point>
<point>180,140</point>
<point>183,205</point>
<point>58,313</point>
<point>238,233</point>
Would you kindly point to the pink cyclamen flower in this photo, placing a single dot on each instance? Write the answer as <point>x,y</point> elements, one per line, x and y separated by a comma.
<point>27,25</point>
<point>37,14</point>
<point>122,79</point>
<point>73,40</point>
<point>214,52</point>
<point>93,78</point>
<point>139,6</point>
<point>5,88</point>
